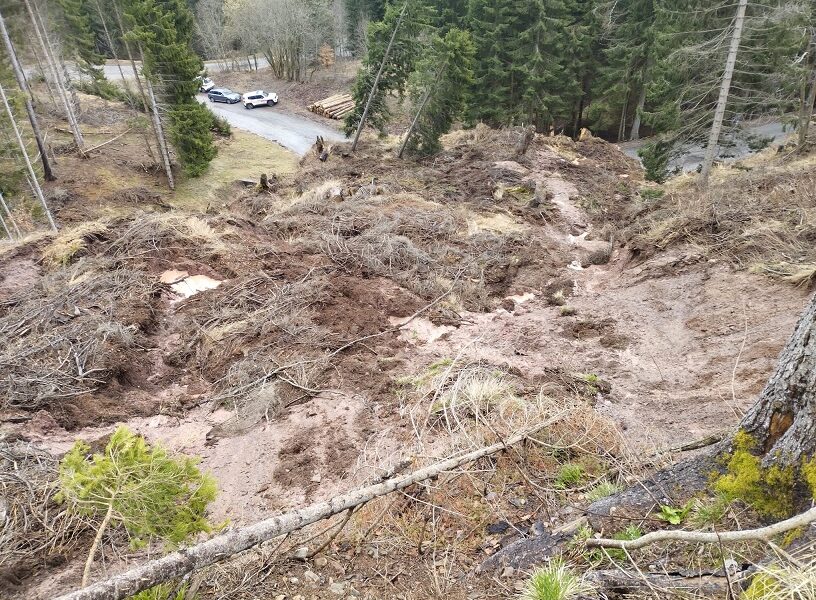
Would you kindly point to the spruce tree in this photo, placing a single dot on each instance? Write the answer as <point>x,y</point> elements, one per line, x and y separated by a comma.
<point>163,29</point>
<point>395,67</point>
<point>438,88</point>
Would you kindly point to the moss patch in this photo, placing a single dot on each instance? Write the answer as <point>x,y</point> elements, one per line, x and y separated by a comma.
<point>769,491</point>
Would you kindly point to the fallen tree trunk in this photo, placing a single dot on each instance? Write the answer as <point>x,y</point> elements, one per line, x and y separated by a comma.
<point>226,545</point>
<point>623,584</point>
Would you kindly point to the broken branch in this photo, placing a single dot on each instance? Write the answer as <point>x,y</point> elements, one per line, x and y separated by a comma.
<point>761,534</point>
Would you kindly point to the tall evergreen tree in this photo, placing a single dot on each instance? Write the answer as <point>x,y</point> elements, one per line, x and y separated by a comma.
<point>163,29</point>
<point>437,89</point>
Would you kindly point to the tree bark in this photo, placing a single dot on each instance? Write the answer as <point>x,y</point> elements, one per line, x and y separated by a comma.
<point>376,83</point>
<point>783,420</point>
<point>634,134</point>
<point>225,545</point>
<point>157,124</point>
<point>31,174</point>
<point>32,116</point>
<point>725,88</point>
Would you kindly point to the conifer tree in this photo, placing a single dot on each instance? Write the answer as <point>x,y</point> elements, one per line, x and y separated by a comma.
<point>438,88</point>
<point>163,29</point>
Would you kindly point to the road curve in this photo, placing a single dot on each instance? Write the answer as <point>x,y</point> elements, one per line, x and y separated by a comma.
<point>270,122</point>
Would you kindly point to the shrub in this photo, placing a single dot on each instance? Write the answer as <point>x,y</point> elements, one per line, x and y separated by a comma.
<point>142,488</point>
<point>221,126</point>
<point>190,132</point>
<point>655,158</point>
<point>602,490</point>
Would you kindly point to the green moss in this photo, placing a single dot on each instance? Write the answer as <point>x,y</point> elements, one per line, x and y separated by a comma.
<point>568,475</point>
<point>809,475</point>
<point>763,586</point>
<point>769,491</point>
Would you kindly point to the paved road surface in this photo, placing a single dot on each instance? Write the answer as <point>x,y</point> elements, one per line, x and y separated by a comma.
<point>291,131</point>
<point>112,73</point>
<point>693,155</point>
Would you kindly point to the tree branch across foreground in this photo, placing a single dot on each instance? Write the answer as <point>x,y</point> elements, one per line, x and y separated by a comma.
<point>762,534</point>
<point>221,547</point>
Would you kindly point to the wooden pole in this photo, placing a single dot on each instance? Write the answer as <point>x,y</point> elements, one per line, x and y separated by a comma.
<point>223,546</point>
<point>31,174</point>
<point>12,220</point>
<point>32,117</point>
<point>376,83</point>
<point>157,124</point>
<point>722,101</point>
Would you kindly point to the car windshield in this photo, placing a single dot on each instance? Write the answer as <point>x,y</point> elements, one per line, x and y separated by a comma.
<point>227,91</point>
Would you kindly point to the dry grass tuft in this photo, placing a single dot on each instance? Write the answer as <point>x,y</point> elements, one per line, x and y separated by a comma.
<point>34,530</point>
<point>71,243</point>
<point>763,217</point>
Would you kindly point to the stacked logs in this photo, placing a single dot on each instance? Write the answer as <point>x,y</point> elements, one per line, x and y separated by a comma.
<point>334,107</point>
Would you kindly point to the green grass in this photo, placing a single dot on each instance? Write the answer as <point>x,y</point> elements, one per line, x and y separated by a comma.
<point>602,490</point>
<point>243,156</point>
<point>556,581</point>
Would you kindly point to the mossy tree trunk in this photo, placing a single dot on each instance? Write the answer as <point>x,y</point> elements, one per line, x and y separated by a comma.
<point>783,420</point>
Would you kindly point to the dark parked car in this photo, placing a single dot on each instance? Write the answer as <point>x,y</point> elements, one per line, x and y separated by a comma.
<point>223,95</point>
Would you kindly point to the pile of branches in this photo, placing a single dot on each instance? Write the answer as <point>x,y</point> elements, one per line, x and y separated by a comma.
<point>35,530</point>
<point>422,246</point>
<point>71,333</point>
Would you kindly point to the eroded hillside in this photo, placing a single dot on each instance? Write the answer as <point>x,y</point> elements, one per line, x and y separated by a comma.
<point>368,315</point>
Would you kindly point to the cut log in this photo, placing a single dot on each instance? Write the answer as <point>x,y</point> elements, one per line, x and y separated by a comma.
<point>333,107</point>
<point>223,546</point>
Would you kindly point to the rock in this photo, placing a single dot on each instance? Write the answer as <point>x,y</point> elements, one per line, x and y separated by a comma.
<point>321,561</point>
<point>526,553</point>
<point>337,588</point>
<point>518,502</point>
<point>508,572</point>
<point>498,527</point>
<point>311,577</point>
<point>301,553</point>
<point>316,478</point>
<point>280,597</point>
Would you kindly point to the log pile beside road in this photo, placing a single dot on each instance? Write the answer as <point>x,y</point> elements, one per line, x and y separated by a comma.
<point>334,107</point>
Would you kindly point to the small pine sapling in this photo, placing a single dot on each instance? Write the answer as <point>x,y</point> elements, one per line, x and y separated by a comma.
<point>150,493</point>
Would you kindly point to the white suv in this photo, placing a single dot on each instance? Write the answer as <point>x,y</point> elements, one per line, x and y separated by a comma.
<point>259,98</point>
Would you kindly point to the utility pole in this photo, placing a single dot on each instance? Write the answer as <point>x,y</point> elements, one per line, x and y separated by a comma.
<point>722,101</point>
<point>32,117</point>
<point>376,83</point>
<point>31,174</point>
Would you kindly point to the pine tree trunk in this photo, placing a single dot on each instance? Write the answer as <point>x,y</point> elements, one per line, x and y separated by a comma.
<point>428,93</point>
<point>86,573</point>
<point>808,95</point>
<point>624,111</point>
<point>31,174</point>
<point>376,83</point>
<point>634,134</point>
<point>160,135</point>
<point>11,218</point>
<point>32,116</point>
<point>42,38</point>
<point>783,419</point>
<point>725,88</point>
<point>112,48</point>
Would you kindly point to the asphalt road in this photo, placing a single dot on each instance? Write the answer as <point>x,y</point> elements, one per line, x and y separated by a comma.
<point>112,73</point>
<point>271,122</point>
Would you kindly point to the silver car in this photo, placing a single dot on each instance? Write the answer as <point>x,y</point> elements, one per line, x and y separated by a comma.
<point>223,95</point>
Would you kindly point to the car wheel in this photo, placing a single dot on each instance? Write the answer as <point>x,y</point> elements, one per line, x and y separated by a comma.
<point>271,103</point>
<point>250,106</point>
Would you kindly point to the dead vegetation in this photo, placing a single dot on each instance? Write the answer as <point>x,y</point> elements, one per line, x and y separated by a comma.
<point>36,533</point>
<point>763,219</point>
